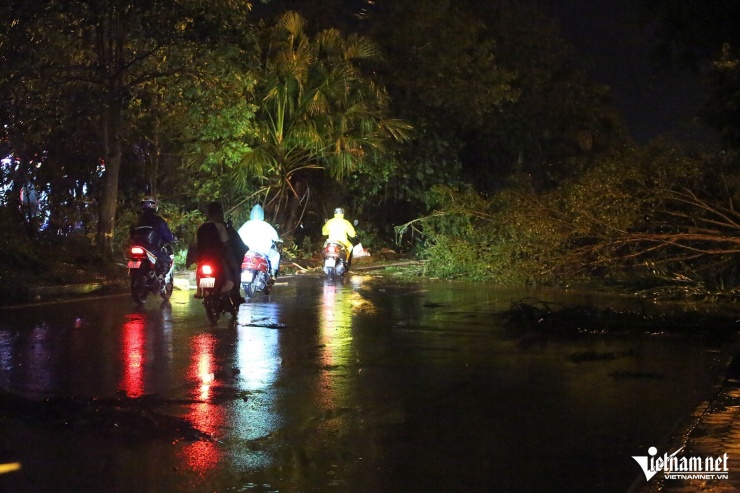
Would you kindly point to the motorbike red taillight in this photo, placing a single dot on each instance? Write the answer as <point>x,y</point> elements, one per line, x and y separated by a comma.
<point>331,249</point>
<point>136,250</point>
<point>206,270</point>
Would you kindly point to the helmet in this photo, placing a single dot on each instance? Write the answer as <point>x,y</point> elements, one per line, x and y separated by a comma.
<point>339,211</point>
<point>257,213</point>
<point>149,203</point>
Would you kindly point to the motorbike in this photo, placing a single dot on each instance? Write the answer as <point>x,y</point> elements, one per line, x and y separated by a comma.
<point>256,274</point>
<point>335,259</point>
<point>215,301</point>
<point>146,276</point>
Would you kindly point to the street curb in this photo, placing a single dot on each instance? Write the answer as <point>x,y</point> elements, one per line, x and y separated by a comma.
<point>45,292</point>
<point>29,295</point>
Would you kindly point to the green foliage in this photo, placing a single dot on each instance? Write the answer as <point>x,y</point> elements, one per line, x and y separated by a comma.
<point>468,236</point>
<point>560,113</point>
<point>316,110</point>
<point>302,116</point>
<point>653,216</point>
<point>14,246</point>
<point>183,225</point>
<point>115,75</point>
<point>444,76</point>
<point>46,258</point>
<point>180,259</point>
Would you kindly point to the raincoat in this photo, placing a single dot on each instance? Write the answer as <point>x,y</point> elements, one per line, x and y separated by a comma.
<point>260,236</point>
<point>339,229</point>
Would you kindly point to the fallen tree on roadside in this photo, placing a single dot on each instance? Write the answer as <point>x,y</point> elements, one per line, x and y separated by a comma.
<point>654,221</point>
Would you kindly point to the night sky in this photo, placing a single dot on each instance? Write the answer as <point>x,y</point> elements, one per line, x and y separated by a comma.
<point>652,101</point>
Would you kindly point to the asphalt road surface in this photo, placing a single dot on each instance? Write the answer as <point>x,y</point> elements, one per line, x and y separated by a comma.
<point>361,385</point>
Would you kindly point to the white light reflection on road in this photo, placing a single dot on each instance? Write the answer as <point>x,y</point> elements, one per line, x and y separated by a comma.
<point>257,353</point>
<point>258,415</point>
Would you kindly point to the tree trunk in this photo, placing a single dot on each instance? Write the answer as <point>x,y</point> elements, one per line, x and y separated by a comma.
<point>296,207</point>
<point>112,150</point>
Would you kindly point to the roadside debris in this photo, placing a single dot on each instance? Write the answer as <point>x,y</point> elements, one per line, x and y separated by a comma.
<point>550,318</point>
<point>129,417</point>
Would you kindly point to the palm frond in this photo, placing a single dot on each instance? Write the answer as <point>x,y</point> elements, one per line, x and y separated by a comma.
<point>360,47</point>
<point>318,111</point>
<point>292,22</point>
<point>256,163</point>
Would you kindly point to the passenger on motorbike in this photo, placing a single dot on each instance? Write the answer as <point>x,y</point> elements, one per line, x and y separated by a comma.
<point>152,232</point>
<point>261,237</point>
<point>339,229</point>
<point>212,243</point>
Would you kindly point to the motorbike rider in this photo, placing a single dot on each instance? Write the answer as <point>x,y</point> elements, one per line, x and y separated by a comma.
<point>152,232</point>
<point>339,229</point>
<point>212,242</point>
<point>261,237</point>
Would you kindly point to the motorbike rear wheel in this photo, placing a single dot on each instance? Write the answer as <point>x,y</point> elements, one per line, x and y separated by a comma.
<point>248,287</point>
<point>167,290</point>
<point>230,305</point>
<point>138,288</point>
<point>213,311</point>
<point>248,291</point>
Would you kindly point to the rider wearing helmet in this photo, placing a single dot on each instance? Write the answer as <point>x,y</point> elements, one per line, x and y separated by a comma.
<point>261,237</point>
<point>153,231</point>
<point>339,229</point>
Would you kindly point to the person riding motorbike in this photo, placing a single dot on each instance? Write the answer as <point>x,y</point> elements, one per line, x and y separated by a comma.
<point>152,232</point>
<point>339,229</point>
<point>212,243</point>
<point>261,237</point>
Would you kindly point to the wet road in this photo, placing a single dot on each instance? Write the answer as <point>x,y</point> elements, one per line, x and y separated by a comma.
<point>368,385</point>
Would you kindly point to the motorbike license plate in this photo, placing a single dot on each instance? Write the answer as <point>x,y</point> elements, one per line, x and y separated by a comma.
<point>207,282</point>
<point>329,262</point>
<point>247,276</point>
<point>134,264</point>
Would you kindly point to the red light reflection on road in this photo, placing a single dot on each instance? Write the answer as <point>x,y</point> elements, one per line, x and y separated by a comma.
<point>133,355</point>
<point>203,456</point>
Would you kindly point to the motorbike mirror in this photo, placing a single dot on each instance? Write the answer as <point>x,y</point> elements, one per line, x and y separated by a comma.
<point>354,222</point>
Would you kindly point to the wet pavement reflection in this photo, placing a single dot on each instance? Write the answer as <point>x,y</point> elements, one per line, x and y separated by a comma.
<point>361,385</point>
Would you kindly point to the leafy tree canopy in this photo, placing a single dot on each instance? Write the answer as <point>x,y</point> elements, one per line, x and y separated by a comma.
<point>106,55</point>
<point>317,111</point>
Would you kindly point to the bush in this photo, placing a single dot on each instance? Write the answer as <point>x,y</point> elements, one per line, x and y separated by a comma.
<point>654,216</point>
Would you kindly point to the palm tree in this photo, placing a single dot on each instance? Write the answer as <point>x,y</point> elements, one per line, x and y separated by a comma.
<point>316,111</point>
